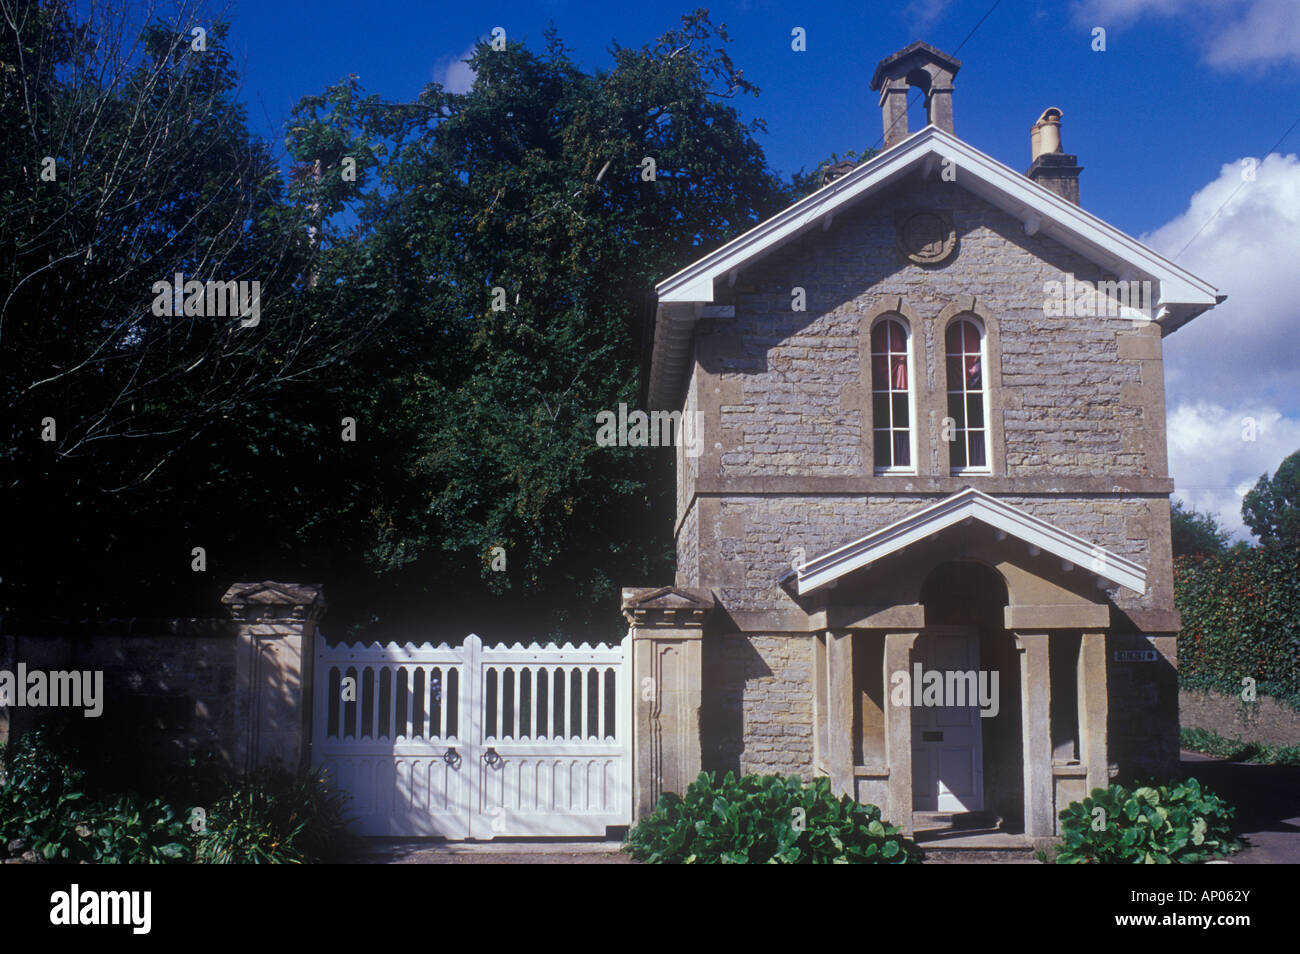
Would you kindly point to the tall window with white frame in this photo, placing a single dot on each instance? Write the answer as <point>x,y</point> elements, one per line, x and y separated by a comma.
<point>891,396</point>
<point>967,397</point>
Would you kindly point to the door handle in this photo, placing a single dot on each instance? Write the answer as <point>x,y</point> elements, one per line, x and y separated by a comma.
<point>492,758</point>
<point>451,757</point>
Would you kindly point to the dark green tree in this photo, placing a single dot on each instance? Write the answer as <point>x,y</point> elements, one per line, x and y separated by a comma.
<point>1272,507</point>
<point>380,256</point>
<point>125,433</point>
<point>515,232</point>
<point>1195,532</point>
<point>804,183</point>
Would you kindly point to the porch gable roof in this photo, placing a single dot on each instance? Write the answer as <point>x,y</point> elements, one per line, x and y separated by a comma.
<point>968,503</point>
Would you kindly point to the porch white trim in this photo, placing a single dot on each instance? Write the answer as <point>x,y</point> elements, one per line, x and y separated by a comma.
<point>969,503</point>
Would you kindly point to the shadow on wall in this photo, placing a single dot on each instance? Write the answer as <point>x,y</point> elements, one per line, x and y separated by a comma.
<point>729,662</point>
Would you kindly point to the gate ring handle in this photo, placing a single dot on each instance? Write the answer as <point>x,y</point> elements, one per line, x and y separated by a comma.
<point>451,756</point>
<point>492,758</point>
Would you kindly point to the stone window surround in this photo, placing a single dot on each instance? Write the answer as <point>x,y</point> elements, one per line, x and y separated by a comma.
<point>931,392</point>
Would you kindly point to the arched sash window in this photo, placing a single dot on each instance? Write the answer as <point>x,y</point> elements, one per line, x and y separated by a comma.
<point>967,396</point>
<point>891,396</point>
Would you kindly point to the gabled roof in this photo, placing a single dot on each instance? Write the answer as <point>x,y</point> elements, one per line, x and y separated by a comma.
<point>682,297</point>
<point>666,603</point>
<point>952,63</point>
<point>952,510</point>
<point>271,593</point>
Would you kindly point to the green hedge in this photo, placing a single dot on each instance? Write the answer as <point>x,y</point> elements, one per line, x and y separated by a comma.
<point>766,819</point>
<point>1241,617</point>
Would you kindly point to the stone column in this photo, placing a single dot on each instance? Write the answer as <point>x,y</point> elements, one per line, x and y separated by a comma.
<point>274,658</point>
<point>667,686</point>
<point>898,732</point>
<point>839,710</point>
<point>939,106</point>
<point>1036,732</point>
<point>893,111</point>
<point>1094,751</point>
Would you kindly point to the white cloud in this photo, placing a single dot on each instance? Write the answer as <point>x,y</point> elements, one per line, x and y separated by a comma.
<point>923,14</point>
<point>1244,352</point>
<point>1241,360</point>
<point>1234,35</point>
<point>455,74</point>
<point>1214,466</point>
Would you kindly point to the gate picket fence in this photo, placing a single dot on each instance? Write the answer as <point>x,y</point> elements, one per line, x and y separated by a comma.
<point>477,741</point>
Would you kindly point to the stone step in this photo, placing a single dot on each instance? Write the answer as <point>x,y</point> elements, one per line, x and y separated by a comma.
<point>955,821</point>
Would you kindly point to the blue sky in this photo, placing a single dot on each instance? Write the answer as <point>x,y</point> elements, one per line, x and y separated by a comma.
<point>1161,121</point>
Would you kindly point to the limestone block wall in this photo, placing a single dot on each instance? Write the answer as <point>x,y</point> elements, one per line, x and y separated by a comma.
<point>1264,720</point>
<point>1143,717</point>
<point>744,549</point>
<point>688,548</point>
<point>758,703</point>
<point>238,688</point>
<point>785,387</point>
<point>168,685</point>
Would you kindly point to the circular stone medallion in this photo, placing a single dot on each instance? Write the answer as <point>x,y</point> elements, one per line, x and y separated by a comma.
<point>926,237</point>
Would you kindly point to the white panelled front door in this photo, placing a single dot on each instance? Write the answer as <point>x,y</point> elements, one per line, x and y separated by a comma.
<point>947,750</point>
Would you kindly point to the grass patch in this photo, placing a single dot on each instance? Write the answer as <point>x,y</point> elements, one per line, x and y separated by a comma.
<point>1238,750</point>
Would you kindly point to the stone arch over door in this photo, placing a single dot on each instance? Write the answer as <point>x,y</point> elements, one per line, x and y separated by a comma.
<point>970,593</point>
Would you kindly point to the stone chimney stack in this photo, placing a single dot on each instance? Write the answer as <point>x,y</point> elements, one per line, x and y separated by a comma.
<point>1050,167</point>
<point>929,70</point>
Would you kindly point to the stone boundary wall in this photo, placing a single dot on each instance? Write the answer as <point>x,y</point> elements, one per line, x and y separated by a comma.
<point>1265,720</point>
<point>239,688</point>
<point>168,684</point>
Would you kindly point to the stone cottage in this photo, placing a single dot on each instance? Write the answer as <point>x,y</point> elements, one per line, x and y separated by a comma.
<point>923,547</point>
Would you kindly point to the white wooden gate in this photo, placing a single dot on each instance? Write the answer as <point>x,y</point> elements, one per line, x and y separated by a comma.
<point>477,741</point>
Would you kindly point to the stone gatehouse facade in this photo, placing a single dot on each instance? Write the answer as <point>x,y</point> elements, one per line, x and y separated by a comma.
<point>915,455</point>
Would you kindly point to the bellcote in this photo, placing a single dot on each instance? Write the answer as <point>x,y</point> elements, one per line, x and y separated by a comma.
<point>921,66</point>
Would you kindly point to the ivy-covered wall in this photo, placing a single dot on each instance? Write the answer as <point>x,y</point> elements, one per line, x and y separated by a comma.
<point>1241,619</point>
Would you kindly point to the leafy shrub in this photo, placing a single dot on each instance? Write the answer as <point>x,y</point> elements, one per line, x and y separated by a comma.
<point>45,807</point>
<point>275,817</point>
<point>48,805</point>
<point>765,819</point>
<point>1241,617</point>
<point>1238,750</point>
<point>122,831</point>
<point>1151,824</point>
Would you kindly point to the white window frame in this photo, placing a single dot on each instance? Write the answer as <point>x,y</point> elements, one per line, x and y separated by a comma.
<point>985,387</point>
<point>893,470</point>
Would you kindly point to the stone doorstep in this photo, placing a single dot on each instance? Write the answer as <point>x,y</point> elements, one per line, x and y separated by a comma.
<point>503,846</point>
<point>970,832</point>
<point>996,841</point>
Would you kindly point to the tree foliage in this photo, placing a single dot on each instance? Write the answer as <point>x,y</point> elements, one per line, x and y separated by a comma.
<point>1272,507</point>
<point>559,193</point>
<point>1195,532</point>
<point>123,430</point>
